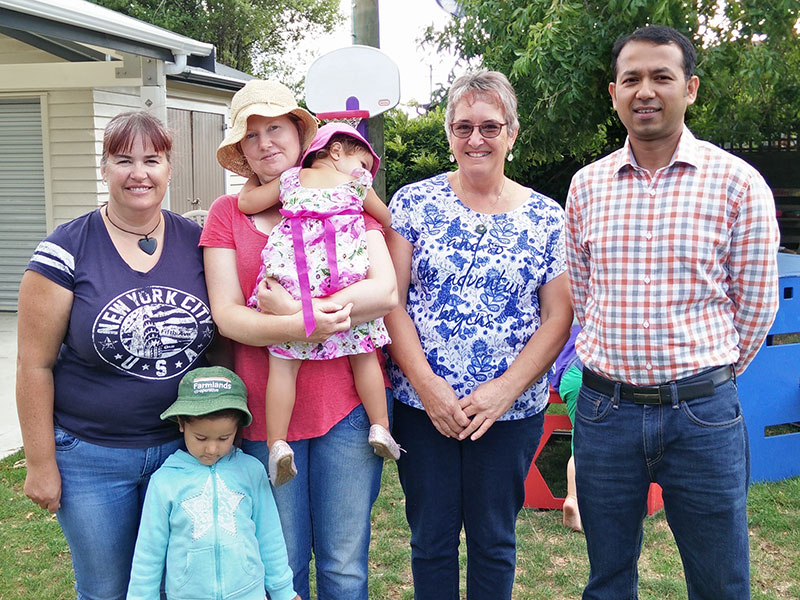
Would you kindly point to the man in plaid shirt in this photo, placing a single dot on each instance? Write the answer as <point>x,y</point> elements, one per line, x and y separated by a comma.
<point>671,248</point>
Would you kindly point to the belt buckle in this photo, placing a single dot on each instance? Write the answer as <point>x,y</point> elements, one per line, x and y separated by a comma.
<point>651,398</point>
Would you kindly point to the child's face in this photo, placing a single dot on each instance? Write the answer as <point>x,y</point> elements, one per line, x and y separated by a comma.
<point>208,440</point>
<point>360,158</point>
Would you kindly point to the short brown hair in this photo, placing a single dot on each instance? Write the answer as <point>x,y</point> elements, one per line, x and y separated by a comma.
<point>121,132</point>
<point>491,86</point>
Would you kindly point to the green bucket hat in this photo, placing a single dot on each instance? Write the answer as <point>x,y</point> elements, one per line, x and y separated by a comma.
<point>206,390</point>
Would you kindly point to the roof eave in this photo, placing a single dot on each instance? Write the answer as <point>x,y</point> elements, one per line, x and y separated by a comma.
<point>111,26</point>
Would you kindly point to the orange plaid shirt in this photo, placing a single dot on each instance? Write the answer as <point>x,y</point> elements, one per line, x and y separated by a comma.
<point>672,272</point>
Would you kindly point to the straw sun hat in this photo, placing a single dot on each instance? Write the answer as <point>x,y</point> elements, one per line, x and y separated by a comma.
<point>266,99</point>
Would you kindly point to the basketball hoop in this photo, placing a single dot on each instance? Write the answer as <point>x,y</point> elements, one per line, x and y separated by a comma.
<point>352,84</point>
<point>351,117</point>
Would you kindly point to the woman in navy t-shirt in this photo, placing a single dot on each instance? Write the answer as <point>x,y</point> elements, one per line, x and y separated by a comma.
<point>113,311</point>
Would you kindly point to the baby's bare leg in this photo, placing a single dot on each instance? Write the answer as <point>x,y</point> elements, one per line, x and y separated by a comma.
<point>369,385</point>
<point>281,385</point>
<point>368,378</point>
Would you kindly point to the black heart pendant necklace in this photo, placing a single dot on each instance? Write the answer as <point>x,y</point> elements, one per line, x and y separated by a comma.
<point>146,244</point>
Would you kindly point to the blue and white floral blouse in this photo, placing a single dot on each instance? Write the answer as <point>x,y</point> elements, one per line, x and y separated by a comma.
<point>473,294</point>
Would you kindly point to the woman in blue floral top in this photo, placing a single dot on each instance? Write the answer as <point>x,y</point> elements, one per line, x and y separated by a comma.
<point>484,311</point>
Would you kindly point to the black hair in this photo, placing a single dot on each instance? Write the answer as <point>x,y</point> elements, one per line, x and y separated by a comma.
<point>217,414</point>
<point>657,34</point>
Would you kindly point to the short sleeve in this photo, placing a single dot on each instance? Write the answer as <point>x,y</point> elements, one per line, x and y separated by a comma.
<point>371,223</point>
<point>402,210</point>
<point>218,229</point>
<point>290,180</point>
<point>54,258</point>
<point>555,252</point>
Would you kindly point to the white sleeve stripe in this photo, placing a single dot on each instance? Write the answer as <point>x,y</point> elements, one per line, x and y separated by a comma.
<point>56,251</point>
<point>53,255</point>
<point>52,263</point>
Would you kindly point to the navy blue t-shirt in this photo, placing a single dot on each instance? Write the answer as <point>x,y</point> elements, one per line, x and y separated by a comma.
<point>131,335</point>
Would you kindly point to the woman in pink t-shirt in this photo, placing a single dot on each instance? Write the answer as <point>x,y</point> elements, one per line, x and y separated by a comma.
<point>326,508</point>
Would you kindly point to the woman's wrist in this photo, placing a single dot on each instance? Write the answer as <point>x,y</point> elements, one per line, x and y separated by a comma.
<point>422,378</point>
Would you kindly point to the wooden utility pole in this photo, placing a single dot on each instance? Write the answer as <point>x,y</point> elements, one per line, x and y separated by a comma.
<point>366,31</point>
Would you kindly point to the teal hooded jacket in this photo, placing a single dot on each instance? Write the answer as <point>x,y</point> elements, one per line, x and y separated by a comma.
<point>214,529</point>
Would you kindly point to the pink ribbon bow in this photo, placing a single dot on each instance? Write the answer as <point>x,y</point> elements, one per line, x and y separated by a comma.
<point>296,219</point>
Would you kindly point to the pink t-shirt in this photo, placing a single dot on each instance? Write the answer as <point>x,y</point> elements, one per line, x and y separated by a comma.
<point>325,389</point>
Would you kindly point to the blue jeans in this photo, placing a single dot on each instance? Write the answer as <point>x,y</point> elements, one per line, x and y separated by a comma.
<point>698,452</point>
<point>478,485</point>
<point>102,491</point>
<point>327,507</point>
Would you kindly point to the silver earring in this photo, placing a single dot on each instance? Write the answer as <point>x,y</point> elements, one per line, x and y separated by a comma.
<point>452,158</point>
<point>510,156</point>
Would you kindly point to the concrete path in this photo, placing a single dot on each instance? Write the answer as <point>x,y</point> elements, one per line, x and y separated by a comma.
<point>10,436</point>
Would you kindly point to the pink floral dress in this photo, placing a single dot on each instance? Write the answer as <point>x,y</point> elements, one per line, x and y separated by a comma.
<point>323,228</point>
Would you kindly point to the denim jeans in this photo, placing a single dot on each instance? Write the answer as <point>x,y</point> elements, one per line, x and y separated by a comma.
<point>327,507</point>
<point>698,452</point>
<point>478,485</point>
<point>102,491</point>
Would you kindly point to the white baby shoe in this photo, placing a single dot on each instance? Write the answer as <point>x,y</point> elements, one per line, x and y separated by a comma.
<point>281,463</point>
<point>383,442</point>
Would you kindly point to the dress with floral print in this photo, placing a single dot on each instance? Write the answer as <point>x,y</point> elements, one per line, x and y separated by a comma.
<point>473,294</point>
<point>278,260</point>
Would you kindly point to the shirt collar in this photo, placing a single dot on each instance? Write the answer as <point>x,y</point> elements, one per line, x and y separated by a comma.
<point>687,152</point>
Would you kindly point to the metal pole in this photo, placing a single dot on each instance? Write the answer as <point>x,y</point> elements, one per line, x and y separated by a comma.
<point>366,31</point>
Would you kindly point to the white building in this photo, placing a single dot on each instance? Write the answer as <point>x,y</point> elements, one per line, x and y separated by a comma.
<point>66,68</point>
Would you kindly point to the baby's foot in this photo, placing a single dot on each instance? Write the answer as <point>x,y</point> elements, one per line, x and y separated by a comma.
<point>281,463</point>
<point>383,442</point>
<point>572,517</point>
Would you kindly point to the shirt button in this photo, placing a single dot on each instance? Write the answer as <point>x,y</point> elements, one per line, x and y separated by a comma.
<point>649,367</point>
<point>651,191</point>
<point>647,280</point>
<point>646,324</point>
<point>648,235</point>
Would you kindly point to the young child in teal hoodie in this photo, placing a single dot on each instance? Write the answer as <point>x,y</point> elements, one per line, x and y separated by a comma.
<point>209,519</point>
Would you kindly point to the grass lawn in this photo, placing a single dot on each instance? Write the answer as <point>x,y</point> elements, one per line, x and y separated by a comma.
<point>551,562</point>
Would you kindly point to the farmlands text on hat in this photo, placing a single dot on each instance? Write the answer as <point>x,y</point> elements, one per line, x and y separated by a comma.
<point>209,389</point>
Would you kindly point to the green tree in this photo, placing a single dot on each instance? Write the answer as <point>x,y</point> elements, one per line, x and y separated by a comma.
<point>557,55</point>
<point>414,148</point>
<point>255,36</point>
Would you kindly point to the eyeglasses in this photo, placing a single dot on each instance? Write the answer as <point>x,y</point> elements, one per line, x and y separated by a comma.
<point>488,129</point>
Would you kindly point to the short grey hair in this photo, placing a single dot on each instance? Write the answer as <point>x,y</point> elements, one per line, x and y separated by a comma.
<point>484,84</point>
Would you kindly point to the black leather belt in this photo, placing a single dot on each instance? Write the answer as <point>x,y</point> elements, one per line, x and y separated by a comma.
<point>696,386</point>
